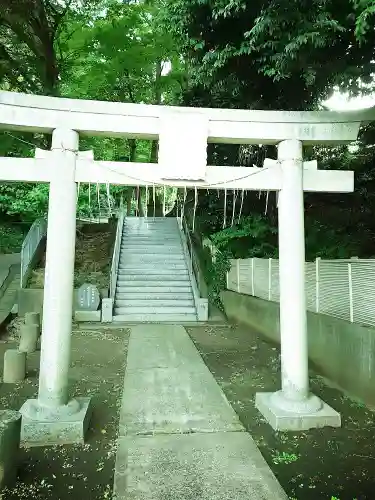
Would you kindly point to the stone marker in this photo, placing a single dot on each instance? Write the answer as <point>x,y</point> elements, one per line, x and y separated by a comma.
<point>32,318</point>
<point>88,298</point>
<point>14,366</point>
<point>29,335</point>
<point>10,430</point>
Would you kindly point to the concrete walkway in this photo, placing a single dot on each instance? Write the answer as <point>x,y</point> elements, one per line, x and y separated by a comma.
<point>179,438</point>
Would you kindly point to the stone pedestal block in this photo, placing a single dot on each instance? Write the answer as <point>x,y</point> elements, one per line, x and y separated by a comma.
<point>282,419</point>
<point>29,335</point>
<point>10,429</point>
<point>65,424</point>
<point>14,366</point>
<point>107,310</point>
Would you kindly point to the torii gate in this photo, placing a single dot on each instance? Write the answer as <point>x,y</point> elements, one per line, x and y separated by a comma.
<point>183,135</point>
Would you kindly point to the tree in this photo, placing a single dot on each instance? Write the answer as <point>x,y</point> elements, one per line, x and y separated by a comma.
<point>281,54</point>
<point>366,16</point>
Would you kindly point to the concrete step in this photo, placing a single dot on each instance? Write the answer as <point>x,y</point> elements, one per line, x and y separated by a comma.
<point>152,272</point>
<point>145,304</point>
<point>155,310</point>
<point>147,231</point>
<point>153,250</point>
<point>151,221</point>
<point>167,288</point>
<point>155,318</point>
<point>153,286</point>
<point>151,234</point>
<point>145,266</point>
<point>150,243</point>
<point>158,258</point>
<point>144,278</point>
<point>150,239</point>
<point>156,295</point>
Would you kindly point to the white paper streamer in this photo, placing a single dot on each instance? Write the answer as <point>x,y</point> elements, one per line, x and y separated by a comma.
<point>225,209</point>
<point>234,205</point>
<point>98,195</point>
<point>241,207</point>
<point>268,194</point>
<point>146,211</point>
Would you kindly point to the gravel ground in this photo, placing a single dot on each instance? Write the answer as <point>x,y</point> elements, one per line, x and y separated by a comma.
<point>321,464</point>
<point>77,471</point>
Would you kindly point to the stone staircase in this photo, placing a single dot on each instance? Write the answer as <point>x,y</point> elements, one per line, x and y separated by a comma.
<point>153,283</point>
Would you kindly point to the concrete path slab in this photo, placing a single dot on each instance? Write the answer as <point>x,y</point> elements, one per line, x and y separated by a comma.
<point>168,388</point>
<point>160,346</point>
<point>174,400</point>
<point>179,438</point>
<point>218,466</point>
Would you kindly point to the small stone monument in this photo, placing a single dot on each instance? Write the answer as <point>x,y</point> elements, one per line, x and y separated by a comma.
<point>29,335</point>
<point>88,298</point>
<point>87,303</point>
<point>14,366</point>
<point>32,318</point>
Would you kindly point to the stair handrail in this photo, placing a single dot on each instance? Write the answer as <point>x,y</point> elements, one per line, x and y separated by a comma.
<point>185,230</point>
<point>116,255</point>
<point>193,263</point>
<point>30,244</point>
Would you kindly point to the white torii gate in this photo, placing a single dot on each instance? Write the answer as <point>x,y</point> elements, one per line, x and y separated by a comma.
<point>183,135</point>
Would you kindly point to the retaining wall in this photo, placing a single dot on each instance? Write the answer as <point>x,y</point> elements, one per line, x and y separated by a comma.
<point>341,351</point>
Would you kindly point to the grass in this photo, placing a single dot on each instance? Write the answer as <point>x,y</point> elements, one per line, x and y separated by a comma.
<point>284,458</point>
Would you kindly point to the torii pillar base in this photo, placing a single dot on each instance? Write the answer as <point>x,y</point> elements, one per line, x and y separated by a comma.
<point>67,424</point>
<point>283,415</point>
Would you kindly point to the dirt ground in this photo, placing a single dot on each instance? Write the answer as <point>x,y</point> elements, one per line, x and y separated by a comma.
<point>321,464</point>
<point>92,261</point>
<point>79,471</point>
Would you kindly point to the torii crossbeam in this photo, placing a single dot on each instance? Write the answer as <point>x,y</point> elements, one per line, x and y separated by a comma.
<point>183,135</point>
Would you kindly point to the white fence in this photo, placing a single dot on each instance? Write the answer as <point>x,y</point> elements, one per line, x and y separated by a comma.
<point>341,288</point>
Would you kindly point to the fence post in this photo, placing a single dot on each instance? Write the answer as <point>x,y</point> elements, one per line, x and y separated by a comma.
<point>317,285</point>
<point>269,278</point>
<point>238,275</point>
<point>351,305</point>
<point>252,278</point>
<point>227,280</point>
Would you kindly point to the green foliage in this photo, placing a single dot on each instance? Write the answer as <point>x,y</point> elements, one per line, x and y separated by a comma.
<point>27,201</point>
<point>366,18</point>
<point>284,458</point>
<point>11,238</point>
<point>271,54</point>
<point>253,236</point>
<point>215,269</point>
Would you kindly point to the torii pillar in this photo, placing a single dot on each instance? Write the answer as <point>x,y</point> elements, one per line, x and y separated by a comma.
<point>53,417</point>
<point>294,407</point>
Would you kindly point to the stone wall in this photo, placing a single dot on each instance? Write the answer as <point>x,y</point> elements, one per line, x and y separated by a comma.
<point>342,352</point>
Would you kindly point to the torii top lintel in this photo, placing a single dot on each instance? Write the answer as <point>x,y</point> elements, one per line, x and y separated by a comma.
<point>44,114</point>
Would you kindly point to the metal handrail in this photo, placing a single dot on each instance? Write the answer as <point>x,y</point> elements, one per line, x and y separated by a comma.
<point>192,263</point>
<point>185,230</point>
<point>116,255</point>
<point>30,244</point>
